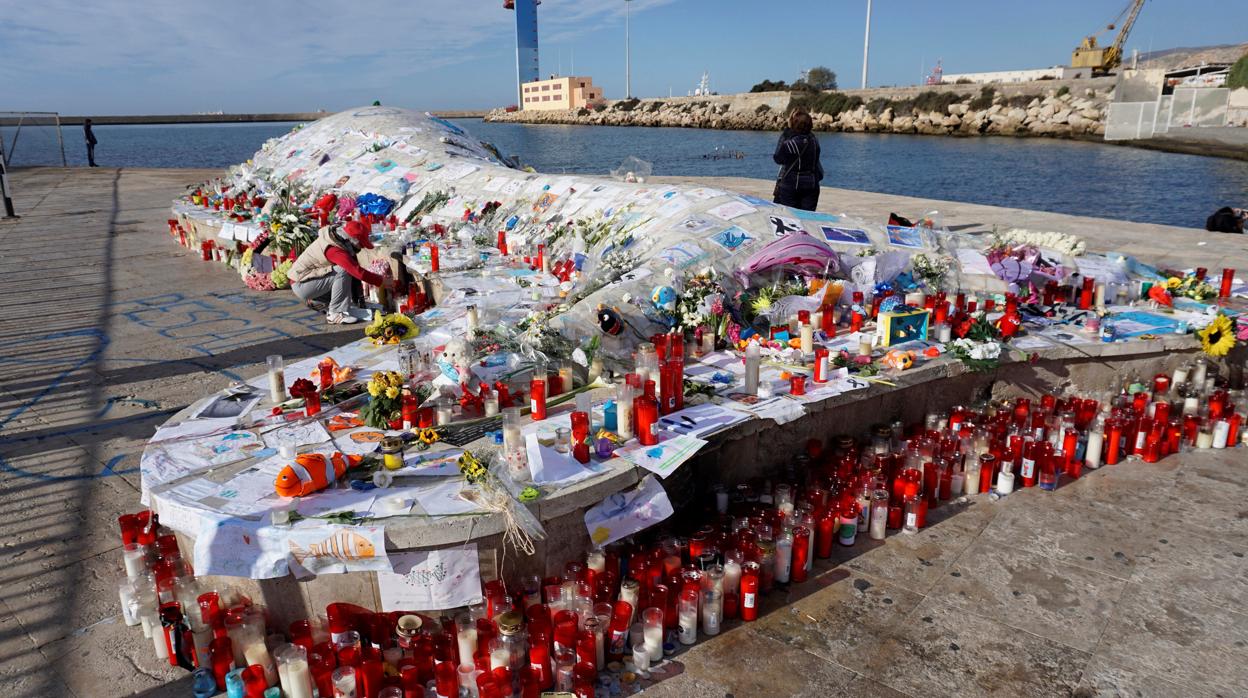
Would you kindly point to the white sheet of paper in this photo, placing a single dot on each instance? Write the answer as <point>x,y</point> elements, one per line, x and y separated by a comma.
<point>625,513</point>
<point>335,500</point>
<point>431,580</point>
<point>238,548</point>
<point>974,262</point>
<point>310,432</point>
<point>442,498</point>
<point>549,467</point>
<point>431,463</point>
<point>664,457</point>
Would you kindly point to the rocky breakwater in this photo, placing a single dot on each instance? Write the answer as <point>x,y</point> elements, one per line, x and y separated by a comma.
<point>1042,111</point>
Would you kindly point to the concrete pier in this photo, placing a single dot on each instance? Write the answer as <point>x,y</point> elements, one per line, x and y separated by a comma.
<point>1132,579</point>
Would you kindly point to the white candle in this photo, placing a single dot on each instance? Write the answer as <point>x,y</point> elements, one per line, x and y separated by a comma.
<point>784,558</point>
<point>1191,405</point>
<point>944,332</point>
<point>641,658</point>
<point>277,378</point>
<point>1199,372</point>
<point>473,319</point>
<point>256,652</point>
<point>297,682</point>
<point>708,342</point>
<point>972,480</point>
<point>135,561</point>
<point>129,607</point>
<point>491,406</point>
<point>653,640</point>
<point>879,519</point>
<point>1180,377</point>
<point>732,576</point>
<point>1005,481</point>
<point>444,414</point>
<point>1092,455</point>
<point>753,357</point>
<point>1204,438</point>
<point>158,640</point>
<point>957,483</point>
<point>500,656</point>
<point>1221,432</point>
<point>808,338</point>
<point>688,624</point>
<point>596,560</point>
<point>467,639</point>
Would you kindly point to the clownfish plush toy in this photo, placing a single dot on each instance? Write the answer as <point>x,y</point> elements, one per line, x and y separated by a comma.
<point>312,472</point>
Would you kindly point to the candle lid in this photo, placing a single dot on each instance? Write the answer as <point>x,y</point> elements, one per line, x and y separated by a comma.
<point>409,625</point>
<point>509,623</point>
<point>391,444</point>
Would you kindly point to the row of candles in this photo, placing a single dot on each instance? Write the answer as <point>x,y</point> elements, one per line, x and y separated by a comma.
<point>630,605</point>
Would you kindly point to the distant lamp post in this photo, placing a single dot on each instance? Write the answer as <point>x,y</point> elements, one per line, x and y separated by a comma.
<point>866,46</point>
<point>628,66</point>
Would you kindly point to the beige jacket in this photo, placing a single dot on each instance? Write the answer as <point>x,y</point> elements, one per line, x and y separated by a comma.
<point>312,262</point>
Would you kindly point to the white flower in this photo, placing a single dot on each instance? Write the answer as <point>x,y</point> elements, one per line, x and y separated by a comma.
<point>627,298</point>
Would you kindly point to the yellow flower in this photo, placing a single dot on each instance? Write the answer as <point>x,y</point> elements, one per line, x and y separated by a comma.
<point>1173,282</point>
<point>392,393</point>
<point>1219,337</point>
<point>373,389</point>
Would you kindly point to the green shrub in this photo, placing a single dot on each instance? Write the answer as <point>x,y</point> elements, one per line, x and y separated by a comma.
<point>762,109</point>
<point>600,106</point>
<point>1020,101</point>
<point>830,103</point>
<point>932,100</point>
<point>771,86</point>
<point>984,100</point>
<point>1063,90</point>
<point>627,104</point>
<point>1238,76</point>
<point>964,81</point>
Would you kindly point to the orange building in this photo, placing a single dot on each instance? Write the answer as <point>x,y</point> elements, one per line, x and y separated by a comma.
<point>559,93</point>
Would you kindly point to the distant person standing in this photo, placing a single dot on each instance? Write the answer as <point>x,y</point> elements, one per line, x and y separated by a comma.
<point>797,154</point>
<point>90,136</point>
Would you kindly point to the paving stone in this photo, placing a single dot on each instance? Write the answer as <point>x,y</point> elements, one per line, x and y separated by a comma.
<point>745,663</point>
<point>943,651</point>
<point>1102,679</point>
<point>23,670</point>
<point>1171,633</point>
<point>918,561</point>
<point>842,622</point>
<point>1031,592</point>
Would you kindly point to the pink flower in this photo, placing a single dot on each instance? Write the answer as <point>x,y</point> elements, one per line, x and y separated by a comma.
<point>717,305</point>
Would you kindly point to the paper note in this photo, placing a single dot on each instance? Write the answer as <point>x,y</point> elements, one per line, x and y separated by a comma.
<point>442,498</point>
<point>625,513</point>
<point>239,548</point>
<point>310,432</point>
<point>432,580</point>
<point>550,467</point>
<point>731,209</point>
<point>321,549</point>
<point>430,463</point>
<point>703,420</point>
<point>664,457</point>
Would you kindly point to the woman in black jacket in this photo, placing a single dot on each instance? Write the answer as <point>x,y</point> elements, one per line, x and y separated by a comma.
<point>797,154</point>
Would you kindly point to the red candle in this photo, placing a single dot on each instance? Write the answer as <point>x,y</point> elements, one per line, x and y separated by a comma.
<point>1085,296</point>
<point>433,259</point>
<point>537,397</point>
<point>825,532</point>
<point>801,553</point>
<point>1233,423</point>
<point>987,471</point>
<point>749,592</point>
<point>502,242</point>
<point>1228,278</point>
<point>797,385</point>
<point>1113,439</point>
<point>1027,467</point>
<point>821,365</point>
<point>647,416</point>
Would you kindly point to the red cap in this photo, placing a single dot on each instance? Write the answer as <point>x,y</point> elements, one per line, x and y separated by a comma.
<point>359,232</point>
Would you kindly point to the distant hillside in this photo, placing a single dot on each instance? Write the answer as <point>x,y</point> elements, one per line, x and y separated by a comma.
<point>1187,56</point>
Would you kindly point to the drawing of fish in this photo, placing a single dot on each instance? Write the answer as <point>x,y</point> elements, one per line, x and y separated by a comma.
<point>343,546</point>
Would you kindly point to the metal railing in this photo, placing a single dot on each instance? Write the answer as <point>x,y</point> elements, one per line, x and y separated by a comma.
<point>1187,107</point>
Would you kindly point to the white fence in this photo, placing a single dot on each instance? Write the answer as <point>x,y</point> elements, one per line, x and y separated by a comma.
<point>1187,107</point>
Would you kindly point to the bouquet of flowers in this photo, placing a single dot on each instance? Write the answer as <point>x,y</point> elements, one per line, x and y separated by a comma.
<point>1190,286</point>
<point>385,389</point>
<point>280,276</point>
<point>979,349</point>
<point>931,269</point>
<point>258,281</point>
<point>390,329</point>
<point>1065,243</point>
<point>701,302</point>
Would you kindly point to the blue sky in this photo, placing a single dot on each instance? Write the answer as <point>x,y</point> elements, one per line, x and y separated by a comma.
<point>176,56</point>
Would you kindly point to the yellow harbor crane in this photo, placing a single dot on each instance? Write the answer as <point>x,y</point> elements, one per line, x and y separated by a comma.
<point>1102,59</point>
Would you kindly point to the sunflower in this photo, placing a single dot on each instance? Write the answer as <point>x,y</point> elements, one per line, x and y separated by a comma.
<point>1219,337</point>
<point>1173,282</point>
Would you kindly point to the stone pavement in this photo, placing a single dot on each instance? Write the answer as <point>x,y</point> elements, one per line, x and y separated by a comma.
<point>1131,580</point>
